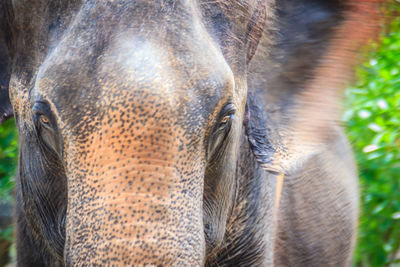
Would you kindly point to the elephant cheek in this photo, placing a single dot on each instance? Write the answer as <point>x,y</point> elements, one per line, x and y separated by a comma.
<point>141,204</point>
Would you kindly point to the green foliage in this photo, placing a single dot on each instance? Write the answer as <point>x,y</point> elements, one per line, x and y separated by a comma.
<point>8,162</point>
<point>8,159</point>
<point>373,121</point>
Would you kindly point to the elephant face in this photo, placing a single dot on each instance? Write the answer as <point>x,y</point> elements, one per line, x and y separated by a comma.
<point>129,117</point>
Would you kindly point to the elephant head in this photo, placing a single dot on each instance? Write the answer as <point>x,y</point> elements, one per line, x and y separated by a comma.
<point>130,116</point>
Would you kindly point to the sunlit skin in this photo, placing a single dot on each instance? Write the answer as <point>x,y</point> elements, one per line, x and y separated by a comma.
<point>182,133</point>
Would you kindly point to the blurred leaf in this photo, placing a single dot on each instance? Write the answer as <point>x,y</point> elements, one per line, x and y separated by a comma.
<point>373,127</point>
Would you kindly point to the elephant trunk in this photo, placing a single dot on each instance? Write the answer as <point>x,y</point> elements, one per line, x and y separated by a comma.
<point>132,200</point>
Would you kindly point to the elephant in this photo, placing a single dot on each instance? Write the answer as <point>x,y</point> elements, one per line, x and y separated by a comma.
<point>182,132</point>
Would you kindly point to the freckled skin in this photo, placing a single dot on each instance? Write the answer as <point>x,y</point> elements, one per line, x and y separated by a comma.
<point>152,132</point>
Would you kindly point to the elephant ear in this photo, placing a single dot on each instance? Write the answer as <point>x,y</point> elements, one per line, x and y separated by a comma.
<point>299,79</point>
<point>259,133</point>
<point>6,111</point>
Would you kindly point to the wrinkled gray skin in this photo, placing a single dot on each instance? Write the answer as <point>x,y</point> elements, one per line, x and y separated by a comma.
<point>153,132</point>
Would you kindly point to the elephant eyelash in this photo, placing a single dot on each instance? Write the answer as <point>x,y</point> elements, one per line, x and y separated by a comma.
<point>46,129</point>
<point>225,122</point>
<point>226,115</point>
<point>225,119</point>
<point>221,132</point>
<point>42,114</point>
<point>43,119</point>
<point>43,122</point>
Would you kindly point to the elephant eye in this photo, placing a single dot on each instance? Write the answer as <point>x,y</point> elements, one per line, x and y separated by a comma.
<point>44,120</point>
<point>226,116</point>
<point>225,119</point>
<point>42,114</point>
<point>220,132</point>
<point>45,126</point>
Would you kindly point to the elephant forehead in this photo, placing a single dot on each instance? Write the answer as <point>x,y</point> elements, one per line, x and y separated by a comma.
<point>136,63</point>
<point>189,82</point>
